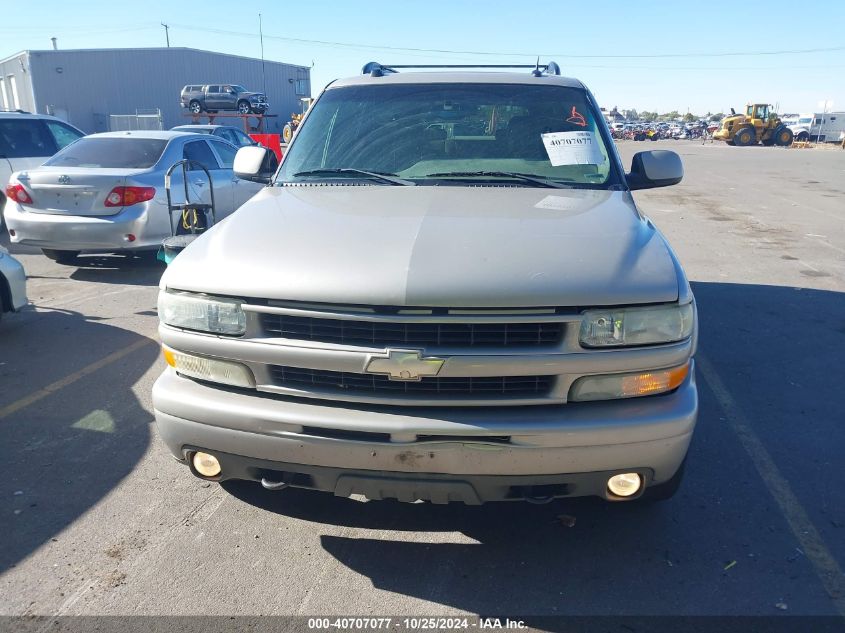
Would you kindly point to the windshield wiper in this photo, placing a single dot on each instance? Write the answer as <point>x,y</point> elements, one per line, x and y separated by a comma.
<point>372,175</point>
<point>543,182</point>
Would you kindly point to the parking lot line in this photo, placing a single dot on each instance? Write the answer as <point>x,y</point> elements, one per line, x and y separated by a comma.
<point>812,544</point>
<point>72,378</point>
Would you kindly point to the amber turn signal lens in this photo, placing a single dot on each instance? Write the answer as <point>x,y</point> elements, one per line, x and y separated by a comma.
<point>654,382</point>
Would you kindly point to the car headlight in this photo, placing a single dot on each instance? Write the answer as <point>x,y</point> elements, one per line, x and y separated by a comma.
<point>636,326</point>
<point>198,312</point>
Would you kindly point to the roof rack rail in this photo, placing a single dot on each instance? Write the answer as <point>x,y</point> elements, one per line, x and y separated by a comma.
<point>18,110</point>
<point>376,69</point>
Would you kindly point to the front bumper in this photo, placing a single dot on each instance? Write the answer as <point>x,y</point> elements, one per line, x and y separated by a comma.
<point>721,135</point>
<point>439,454</point>
<point>146,221</point>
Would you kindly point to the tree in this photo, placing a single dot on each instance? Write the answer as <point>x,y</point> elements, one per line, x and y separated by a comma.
<point>645,115</point>
<point>671,116</point>
<point>689,117</point>
<point>718,116</point>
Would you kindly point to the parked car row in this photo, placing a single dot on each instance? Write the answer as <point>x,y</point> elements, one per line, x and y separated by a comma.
<point>67,193</point>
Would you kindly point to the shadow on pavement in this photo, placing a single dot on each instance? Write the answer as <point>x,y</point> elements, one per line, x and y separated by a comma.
<point>140,269</point>
<point>60,455</point>
<point>778,351</point>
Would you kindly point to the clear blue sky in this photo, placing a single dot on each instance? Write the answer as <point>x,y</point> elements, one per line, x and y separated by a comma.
<point>594,41</point>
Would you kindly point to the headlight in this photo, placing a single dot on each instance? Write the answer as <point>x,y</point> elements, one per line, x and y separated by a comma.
<point>206,314</point>
<point>636,326</point>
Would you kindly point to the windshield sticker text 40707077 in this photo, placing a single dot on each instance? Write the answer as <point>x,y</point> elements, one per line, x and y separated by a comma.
<point>572,148</point>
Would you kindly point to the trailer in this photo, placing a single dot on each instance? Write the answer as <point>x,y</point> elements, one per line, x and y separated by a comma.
<point>820,127</point>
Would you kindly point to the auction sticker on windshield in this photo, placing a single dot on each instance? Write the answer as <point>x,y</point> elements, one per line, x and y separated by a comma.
<point>572,148</point>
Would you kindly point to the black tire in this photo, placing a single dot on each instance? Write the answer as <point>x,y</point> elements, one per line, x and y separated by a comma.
<point>244,107</point>
<point>666,490</point>
<point>195,107</point>
<point>803,137</point>
<point>783,136</point>
<point>745,136</point>
<point>768,142</point>
<point>654,137</point>
<point>729,143</point>
<point>60,257</point>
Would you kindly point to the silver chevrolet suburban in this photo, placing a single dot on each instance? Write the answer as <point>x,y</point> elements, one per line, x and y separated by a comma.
<point>446,292</point>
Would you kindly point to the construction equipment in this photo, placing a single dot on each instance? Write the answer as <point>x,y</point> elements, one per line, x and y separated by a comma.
<point>296,119</point>
<point>759,124</point>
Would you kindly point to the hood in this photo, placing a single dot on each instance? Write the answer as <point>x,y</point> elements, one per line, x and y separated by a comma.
<point>432,246</point>
<point>249,94</point>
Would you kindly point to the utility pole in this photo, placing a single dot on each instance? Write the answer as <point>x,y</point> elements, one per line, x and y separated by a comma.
<point>261,37</point>
<point>166,33</point>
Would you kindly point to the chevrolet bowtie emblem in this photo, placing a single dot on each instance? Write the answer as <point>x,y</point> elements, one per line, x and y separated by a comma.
<point>404,365</point>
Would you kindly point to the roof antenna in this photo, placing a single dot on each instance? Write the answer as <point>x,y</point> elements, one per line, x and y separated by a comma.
<point>537,72</point>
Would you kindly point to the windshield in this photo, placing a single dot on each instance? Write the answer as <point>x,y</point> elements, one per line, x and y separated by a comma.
<point>462,134</point>
<point>239,89</point>
<point>110,153</point>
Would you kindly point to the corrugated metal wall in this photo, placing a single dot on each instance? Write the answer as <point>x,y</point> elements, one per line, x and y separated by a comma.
<point>85,86</point>
<point>15,81</point>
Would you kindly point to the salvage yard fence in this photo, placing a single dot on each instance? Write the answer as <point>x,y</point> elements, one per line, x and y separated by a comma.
<point>143,119</point>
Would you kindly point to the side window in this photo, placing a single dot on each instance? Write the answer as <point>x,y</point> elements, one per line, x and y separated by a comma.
<point>228,135</point>
<point>226,154</point>
<point>301,86</point>
<point>242,140</point>
<point>200,152</point>
<point>214,88</point>
<point>64,134</point>
<point>24,138</point>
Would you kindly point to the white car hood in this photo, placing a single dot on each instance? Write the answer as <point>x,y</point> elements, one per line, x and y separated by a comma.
<point>433,246</point>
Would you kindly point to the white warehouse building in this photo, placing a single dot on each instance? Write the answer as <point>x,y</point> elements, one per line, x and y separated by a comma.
<point>87,87</point>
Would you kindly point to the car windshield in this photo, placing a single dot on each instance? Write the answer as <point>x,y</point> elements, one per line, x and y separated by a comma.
<point>460,134</point>
<point>239,89</point>
<point>108,152</point>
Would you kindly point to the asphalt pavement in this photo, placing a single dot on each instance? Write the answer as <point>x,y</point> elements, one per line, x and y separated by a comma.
<point>97,518</point>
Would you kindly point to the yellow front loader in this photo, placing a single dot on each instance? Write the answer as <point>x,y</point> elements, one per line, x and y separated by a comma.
<point>758,125</point>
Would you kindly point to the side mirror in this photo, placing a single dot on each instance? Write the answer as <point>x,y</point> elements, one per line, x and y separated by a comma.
<point>656,168</point>
<point>256,164</point>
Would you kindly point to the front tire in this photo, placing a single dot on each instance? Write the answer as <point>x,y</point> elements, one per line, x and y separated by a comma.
<point>244,107</point>
<point>195,107</point>
<point>60,257</point>
<point>803,137</point>
<point>745,136</point>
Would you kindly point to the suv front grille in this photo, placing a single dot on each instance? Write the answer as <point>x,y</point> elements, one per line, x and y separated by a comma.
<point>367,384</point>
<point>385,334</point>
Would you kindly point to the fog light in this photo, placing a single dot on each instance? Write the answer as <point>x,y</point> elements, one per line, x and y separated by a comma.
<point>12,232</point>
<point>206,465</point>
<point>623,485</point>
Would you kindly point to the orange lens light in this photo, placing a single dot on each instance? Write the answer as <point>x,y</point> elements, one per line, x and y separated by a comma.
<point>655,381</point>
<point>168,356</point>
